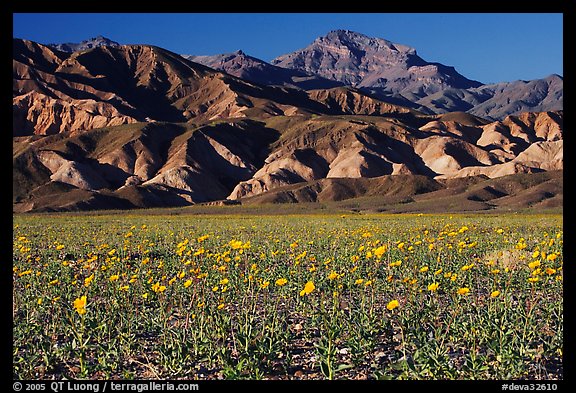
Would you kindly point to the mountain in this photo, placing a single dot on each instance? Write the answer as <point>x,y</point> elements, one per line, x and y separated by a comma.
<point>95,42</point>
<point>395,72</point>
<point>364,62</point>
<point>258,71</point>
<point>446,146</point>
<point>57,92</point>
<point>244,160</point>
<point>140,126</point>
<point>496,101</point>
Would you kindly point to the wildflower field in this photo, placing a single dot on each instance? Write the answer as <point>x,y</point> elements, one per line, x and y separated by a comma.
<point>288,297</point>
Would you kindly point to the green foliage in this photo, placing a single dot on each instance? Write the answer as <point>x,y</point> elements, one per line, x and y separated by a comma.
<point>478,296</point>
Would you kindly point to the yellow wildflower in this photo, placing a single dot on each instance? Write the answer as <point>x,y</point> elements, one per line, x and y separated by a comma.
<point>308,288</point>
<point>80,305</point>
<point>88,280</point>
<point>463,291</point>
<point>392,304</point>
<point>380,251</point>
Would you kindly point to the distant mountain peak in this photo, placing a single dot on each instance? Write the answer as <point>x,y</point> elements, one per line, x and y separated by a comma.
<point>361,61</point>
<point>351,38</point>
<point>255,70</point>
<point>94,42</point>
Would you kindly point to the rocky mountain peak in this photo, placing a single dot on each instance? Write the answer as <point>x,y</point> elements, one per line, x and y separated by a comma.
<point>352,39</point>
<point>367,62</point>
<point>95,42</point>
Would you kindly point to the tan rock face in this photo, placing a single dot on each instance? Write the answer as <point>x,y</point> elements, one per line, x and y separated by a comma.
<point>70,172</point>
<point>445,149</point>
<point>42,115</point>
<point>244,158</point>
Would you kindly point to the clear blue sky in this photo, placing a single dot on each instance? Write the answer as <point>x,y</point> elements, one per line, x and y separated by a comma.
<point>485,47</point>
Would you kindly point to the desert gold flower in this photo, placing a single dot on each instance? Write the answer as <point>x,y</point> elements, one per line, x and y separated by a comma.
<point>495,294</point>
<point>392,304</point>
<point>333,275</point>
<point>88,280</point>
<point>437,272</point>
<point>187,283</point>
<point>281,282</point>
<point>235,244</point>
<point>463,291</point>
<point>80,305</point>
<point>265,284</point>
<point>114,277</point>
<point>434,286</point>
<point>380,251</point>
<point>551,257</point>
<point>534,264</point>
<point>308,288</point>
<point>533,279</point>
<point>224,281</point>
<point>550,271</point>
<point>158,288</point>
<point>53,282</point>
<point>220,306</point>
<point>359,281</point>
<point>424,269</point>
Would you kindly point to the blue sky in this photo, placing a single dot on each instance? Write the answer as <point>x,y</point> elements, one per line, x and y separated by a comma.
<point>485,47</point>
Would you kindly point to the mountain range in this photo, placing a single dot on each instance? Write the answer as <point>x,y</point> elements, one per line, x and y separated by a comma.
<point>395,73</point>
<point>99,125</point>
